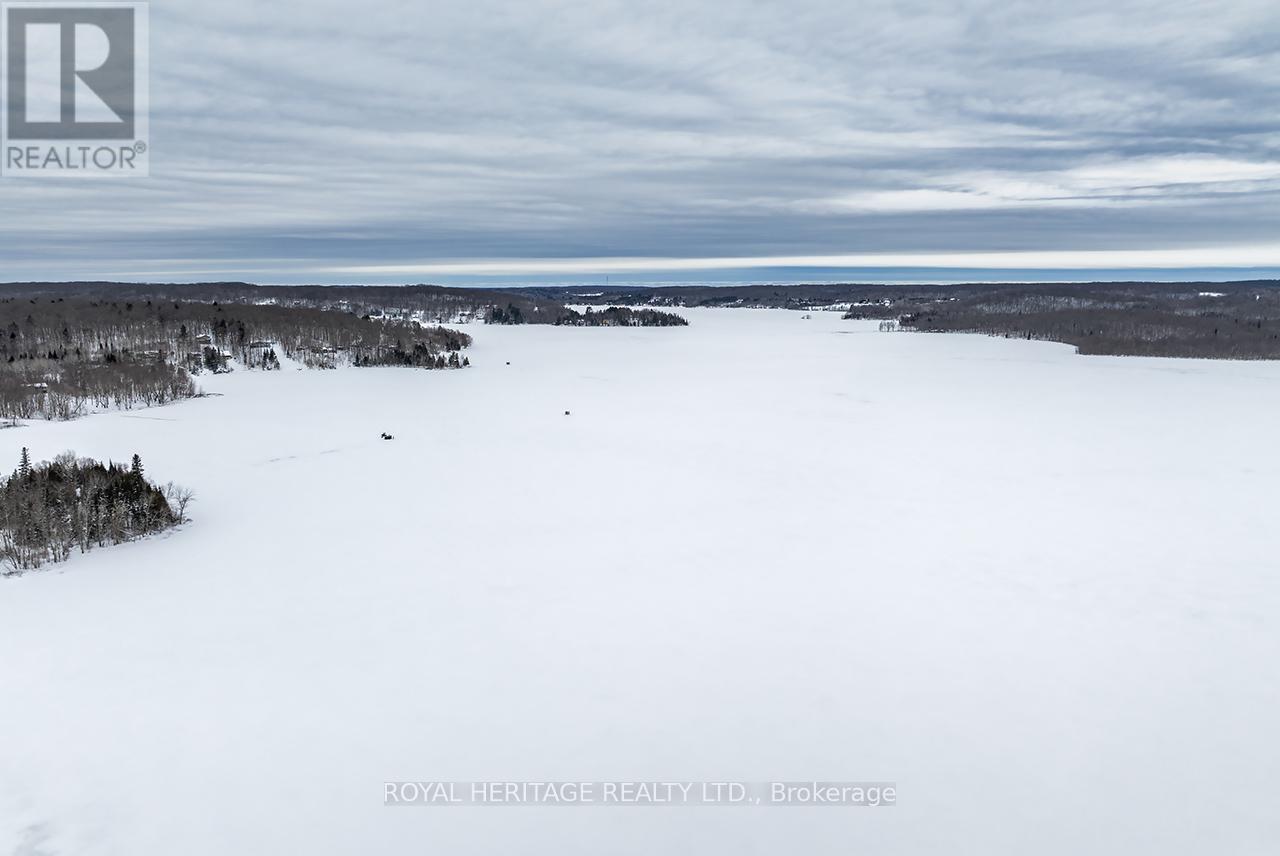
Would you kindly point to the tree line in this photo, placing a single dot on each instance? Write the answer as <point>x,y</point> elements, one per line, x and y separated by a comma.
<point>424,304</point>
<point>61,357</point>
<point>421,304</point>
<point>1217,322</point>
<point>612,316</point>
<point>622,316</point>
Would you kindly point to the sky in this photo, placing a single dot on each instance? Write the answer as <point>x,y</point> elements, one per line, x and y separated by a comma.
<point>478,141</point>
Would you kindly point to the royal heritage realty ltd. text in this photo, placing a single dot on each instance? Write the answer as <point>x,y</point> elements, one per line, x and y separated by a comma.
<point>640,793</point>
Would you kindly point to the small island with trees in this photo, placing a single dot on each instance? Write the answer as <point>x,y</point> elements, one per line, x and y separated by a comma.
<point>53,509</point>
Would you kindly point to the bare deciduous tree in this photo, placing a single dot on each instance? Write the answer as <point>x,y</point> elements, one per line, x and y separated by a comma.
<point>179,498</point>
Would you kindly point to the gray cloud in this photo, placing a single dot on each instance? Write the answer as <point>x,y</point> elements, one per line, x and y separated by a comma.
<point>300,141</point>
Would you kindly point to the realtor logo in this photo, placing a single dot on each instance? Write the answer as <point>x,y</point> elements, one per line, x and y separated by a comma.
<point>74,89</point>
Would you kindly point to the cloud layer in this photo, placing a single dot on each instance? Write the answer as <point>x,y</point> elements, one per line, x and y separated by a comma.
<point>326,141</point>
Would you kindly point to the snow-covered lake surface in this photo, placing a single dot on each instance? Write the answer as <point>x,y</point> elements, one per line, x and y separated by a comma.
<point>1038,591</point>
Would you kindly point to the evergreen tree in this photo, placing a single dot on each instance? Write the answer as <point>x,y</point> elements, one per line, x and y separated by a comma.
<point>69,503</point>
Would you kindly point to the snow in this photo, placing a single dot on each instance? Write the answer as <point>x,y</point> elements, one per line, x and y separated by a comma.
<point>1036,590</point>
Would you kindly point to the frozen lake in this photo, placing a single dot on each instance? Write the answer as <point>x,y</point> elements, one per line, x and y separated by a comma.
<point>1038,591</point>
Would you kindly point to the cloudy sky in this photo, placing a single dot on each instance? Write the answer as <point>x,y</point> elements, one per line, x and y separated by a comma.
<point>441,141</point>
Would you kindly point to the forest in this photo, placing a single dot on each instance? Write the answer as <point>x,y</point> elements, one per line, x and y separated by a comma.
<point>50,510</point>
<point>622,316</point>
<point>612,316</point>
<point>1216,321</point>
<point>61,357</point>
<point>425,304</point>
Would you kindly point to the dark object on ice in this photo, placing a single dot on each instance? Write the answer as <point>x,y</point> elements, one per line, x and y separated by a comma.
<point>508,362</point>
<point>387,436</point>
<point>566,413</point>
